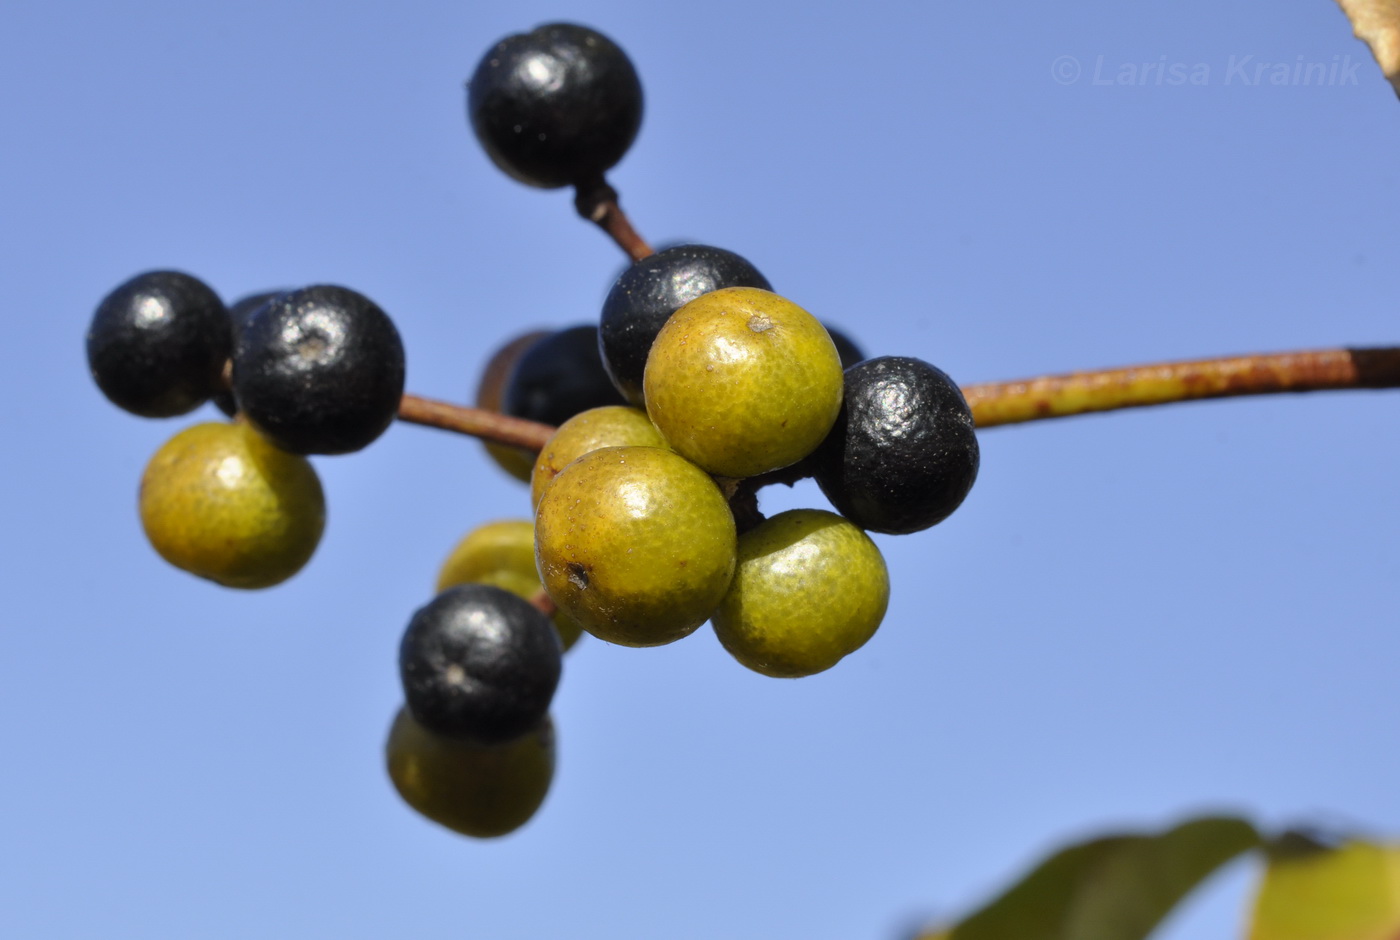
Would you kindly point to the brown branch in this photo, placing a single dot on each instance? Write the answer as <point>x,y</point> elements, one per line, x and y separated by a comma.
<point>597,202</point>
<point>477,422</point>
<point>1053,396</point>
<point>1075,393</point>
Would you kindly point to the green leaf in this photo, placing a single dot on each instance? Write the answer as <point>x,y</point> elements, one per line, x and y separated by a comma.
<point>1146,878</point>
<point>1309,892</point>
<point>1112,888</point>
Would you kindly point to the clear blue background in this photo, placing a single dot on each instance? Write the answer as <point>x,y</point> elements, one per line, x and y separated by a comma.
<point>1133,617</point>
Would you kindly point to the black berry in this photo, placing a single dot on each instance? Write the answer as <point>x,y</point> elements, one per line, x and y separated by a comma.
<point>158,343</point>
<point>319,370</point>
<point>555,106</point>
<point>647,293</point>
<point>491,389</point>
<point>559,376</point>
<point>244,307</point>
<point>903,453</point>
<point>479,662</point>
<point>238,311</point>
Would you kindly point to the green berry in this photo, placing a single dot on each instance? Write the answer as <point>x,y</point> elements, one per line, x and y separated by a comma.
<point>609,426</point>
<point>636,544</point>
<point>502,554</point>
<point>810,588</point>
<point>649,291</point>
<point>219,501</point>
<point>507,544</point>
<point>742,381</point>
<point>480,790</point>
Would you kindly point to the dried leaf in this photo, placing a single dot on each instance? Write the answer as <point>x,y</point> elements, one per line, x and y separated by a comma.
<point>1377,22</point>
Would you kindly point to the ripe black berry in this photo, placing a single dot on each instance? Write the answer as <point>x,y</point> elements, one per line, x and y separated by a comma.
<point>238,311</point>
<point>559,376</point>
<point>903,453</point>
<point>648,292</point>
<point>158,343</point>
<point>491,389</point>
<point>244,307</point>
<point>478,662</point>
<point>319,370</point>
<point>555,106</point>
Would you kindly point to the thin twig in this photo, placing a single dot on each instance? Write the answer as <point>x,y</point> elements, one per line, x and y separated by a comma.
<point>476,422</point>
<point>597,202</point>
<point>1059,396</point>
<point>1053,396</point>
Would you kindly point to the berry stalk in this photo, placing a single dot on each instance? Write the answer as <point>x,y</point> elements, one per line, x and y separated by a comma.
<point>597,202</point>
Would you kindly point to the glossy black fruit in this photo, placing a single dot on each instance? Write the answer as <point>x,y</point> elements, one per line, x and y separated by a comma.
<point>519,462</point>
<point>903,453</point>
<point>238,311</point>
<point>478,662</point>
<point>559,376</point>
<point>647,293</point>
<point>319,370</point>
<point>158,343</point>
<point>555,106</point>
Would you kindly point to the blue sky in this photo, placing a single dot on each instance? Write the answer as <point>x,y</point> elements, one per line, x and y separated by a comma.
<point>1133,617</point>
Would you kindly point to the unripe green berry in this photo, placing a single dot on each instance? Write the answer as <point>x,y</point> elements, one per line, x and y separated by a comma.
<point>587,431</point>
<point>810,588</point>
<point>221,502</point>
<point>479,790</point>
<point>636,544</point>
<point>502,554</point>
<point>742,381</point>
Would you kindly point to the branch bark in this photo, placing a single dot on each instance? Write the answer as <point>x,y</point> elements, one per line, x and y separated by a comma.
<point>1052,396</point>
<point>1076,393</point>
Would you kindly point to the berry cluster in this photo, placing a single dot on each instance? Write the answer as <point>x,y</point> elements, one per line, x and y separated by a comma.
<point>698,386</point>
<point>312,371</point>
